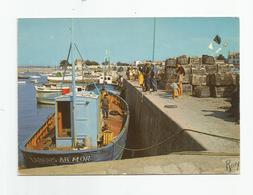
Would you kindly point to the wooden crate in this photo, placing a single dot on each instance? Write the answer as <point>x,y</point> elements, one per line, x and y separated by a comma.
<point>235,77</point>
<point>194,61</point>
<point>221,91</point>
<point>182,60</point>
<point>187,76</point>
<point>201,91</point>
<point>170,70</point>
<point>223,68</point>
<point>219,61</point>
<point>198,70</point>
<point>170,75</point>
<point>198,79</point>
<point>208,79</point>
<point>208,59</point>
<point>210,69</point>
<point>187,89</point>
<point>224,79</point>
<point>171,62</point>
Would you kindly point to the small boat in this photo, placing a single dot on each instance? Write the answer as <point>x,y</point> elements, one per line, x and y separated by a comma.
<point>35,81</point>
<point>34,77</point>
<point>112,88</point>
<point>21,82</point>
<point>105,79</point>
<point>68,79</point>
<point>47,93</point>
<point>78,132</point>
<point>21,76</point>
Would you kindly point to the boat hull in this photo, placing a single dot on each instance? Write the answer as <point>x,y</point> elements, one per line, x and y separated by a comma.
<point>68,79</point>
<point>47,98</point>
<point>113,151</point>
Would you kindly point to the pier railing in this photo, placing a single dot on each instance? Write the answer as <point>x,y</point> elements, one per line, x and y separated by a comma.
<point>46,129</point>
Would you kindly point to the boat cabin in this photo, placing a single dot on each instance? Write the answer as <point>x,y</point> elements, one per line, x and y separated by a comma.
<point>105,79</point>
<point>78,126</point>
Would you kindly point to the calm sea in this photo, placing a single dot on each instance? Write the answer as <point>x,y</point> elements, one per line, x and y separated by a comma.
<point>30,114</point>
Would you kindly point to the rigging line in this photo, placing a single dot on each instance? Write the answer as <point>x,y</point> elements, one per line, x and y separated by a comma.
<point>148,147</point>
<point>82,61</point>
<point>96,87</point>
<point>170,137</point>
<point>69,51</point>
<point>65,67</point>
<point>78,51</point>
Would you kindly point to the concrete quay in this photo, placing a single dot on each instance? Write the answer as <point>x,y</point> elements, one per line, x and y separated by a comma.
<point>205,123</point>
<point>178,163</point>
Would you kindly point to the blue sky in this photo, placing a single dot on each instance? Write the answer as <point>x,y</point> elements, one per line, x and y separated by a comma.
<point>46,41</point>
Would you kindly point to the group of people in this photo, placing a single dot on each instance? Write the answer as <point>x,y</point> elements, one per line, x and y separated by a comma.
<point>147,75</point>
<point>147,78</point>
<point>131,73</point>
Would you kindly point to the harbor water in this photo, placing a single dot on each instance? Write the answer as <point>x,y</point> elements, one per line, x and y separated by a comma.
<point>30,114</point>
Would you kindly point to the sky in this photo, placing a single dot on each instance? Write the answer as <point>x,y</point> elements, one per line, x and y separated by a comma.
<point>46,41</point>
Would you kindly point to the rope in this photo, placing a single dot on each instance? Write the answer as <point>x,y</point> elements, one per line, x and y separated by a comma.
<point>206,153</point>
<point>148,147</point>
<point>170,137</point>
<point>219,136</point>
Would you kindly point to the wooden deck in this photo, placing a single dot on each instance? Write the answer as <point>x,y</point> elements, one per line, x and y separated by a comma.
<point>44,138</point>
<point>114,122</point>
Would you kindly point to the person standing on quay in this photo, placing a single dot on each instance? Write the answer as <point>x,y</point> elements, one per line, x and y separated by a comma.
<point>181,74</point>
<point>131,74</point>
<point>128,73</point>
<point>153,82</point>
<point>174,87</point>
<point>147,77</point>
<point>141,78</point>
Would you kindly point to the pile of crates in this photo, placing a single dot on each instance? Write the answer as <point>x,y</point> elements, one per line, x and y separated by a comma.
<point>204,77</point>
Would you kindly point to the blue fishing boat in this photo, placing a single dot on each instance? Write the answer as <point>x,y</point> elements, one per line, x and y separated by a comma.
<point>78,132</point>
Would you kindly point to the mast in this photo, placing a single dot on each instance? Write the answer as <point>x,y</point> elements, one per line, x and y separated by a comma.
<point>153,54</point>
<point>106,63</point>
<point>109,62</point>
<point>73,92</point>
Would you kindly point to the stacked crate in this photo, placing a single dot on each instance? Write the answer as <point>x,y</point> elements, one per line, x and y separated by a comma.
<point>221,81</point>
<point>235,99</point>
<point>182,60</point>
<point>223,68</point>
<point>170,72</point>
<point>199,79</point>
<point>187,87</point>
<point>204,77</point>
<point>208,60</point>
<point>222,84</point>
<point>194,61</point>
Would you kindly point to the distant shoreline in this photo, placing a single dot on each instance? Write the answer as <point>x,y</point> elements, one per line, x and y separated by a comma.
<point>35,69</point>
<point>36,66</point>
